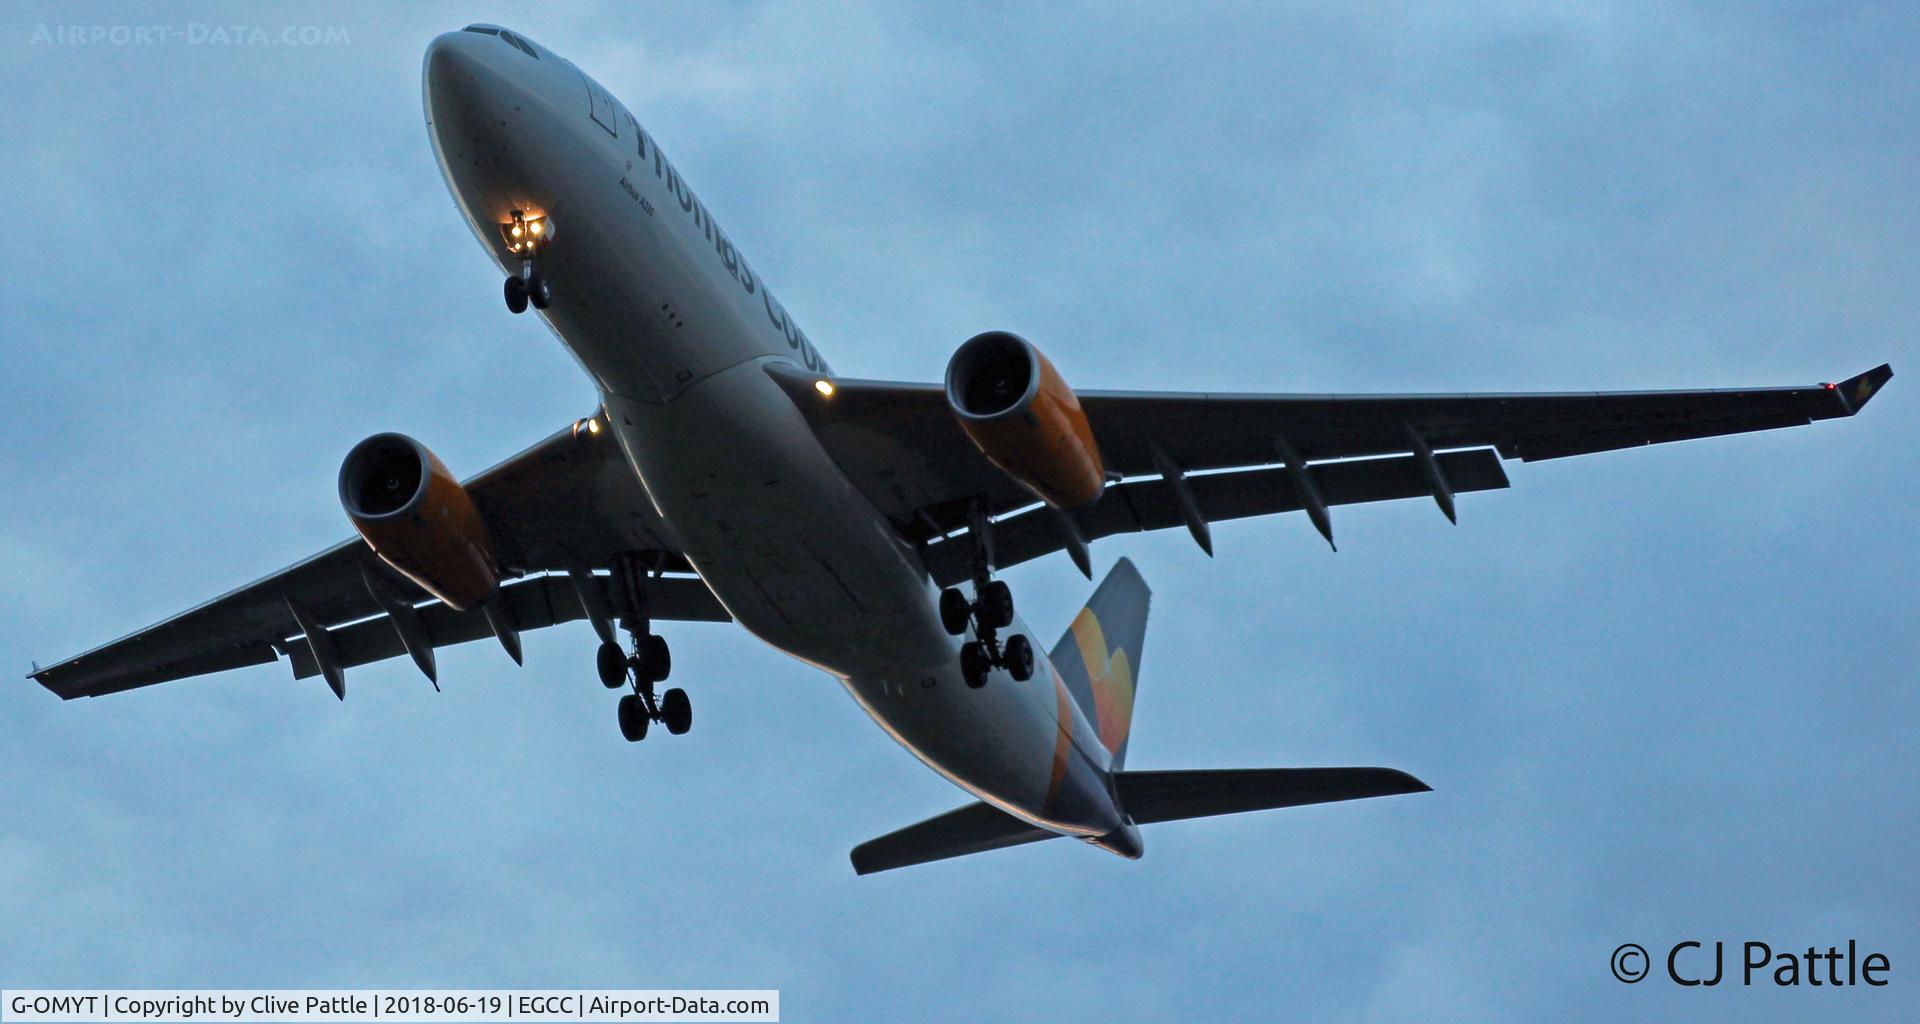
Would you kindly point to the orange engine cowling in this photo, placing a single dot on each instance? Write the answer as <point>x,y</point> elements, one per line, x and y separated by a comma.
<point>1017,409</point>
<point>419,520</point>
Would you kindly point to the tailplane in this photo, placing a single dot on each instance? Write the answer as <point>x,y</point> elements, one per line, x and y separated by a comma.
<point>1146,797</point>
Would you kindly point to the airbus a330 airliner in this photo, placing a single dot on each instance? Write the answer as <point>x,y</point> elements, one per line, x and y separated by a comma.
<point>730,474</point>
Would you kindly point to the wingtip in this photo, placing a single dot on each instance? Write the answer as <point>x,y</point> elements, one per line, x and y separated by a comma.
<point>1857,390</point>
<point>1407,783</point>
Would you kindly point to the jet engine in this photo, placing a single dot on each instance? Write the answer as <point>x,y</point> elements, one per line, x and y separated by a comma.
<point>419,520</point>
<point>1016,408</point>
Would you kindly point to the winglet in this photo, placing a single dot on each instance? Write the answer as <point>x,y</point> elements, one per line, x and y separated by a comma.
<point>1855,391</point>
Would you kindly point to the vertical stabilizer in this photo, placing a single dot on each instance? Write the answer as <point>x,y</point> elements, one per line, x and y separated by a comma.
<point>1099,657</point>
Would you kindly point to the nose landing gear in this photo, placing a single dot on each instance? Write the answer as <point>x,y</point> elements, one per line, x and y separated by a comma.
<point>526,236</point>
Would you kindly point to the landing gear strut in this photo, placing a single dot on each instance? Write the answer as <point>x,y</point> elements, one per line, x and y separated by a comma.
<point>649,662</point>
<point>526,236</point>
<point>990,611</point>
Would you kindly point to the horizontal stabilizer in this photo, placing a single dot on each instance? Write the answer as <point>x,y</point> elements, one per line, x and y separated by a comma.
<point>1149,797</point>
<point>975,828</point>
<point>1146,797</point>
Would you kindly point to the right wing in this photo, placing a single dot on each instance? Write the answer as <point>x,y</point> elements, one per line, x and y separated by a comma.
<point>900,444</point>
<point>568,505</point>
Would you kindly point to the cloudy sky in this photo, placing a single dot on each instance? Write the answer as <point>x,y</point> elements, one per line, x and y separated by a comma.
<point>1660,695</point>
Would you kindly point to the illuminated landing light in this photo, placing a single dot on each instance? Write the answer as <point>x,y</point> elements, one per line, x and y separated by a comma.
<point>527,232</point>
<point>586,426</point>
<point>825,387</point>
<point>593,426</point>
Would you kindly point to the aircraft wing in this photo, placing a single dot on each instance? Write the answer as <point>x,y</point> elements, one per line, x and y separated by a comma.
<point>903,448</point>
<point>565,506</point>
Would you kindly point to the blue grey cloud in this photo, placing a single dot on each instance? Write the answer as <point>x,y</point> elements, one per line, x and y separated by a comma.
<point>1663,694</point>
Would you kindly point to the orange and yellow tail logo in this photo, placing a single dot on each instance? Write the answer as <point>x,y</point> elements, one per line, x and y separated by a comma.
<point>1111,677</point>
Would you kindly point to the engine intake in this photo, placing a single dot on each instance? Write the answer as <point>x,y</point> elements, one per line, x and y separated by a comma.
<point>1024,418</point>
<point>418,519</point>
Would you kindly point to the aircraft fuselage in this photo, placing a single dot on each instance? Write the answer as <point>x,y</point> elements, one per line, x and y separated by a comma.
<point>676,329</point>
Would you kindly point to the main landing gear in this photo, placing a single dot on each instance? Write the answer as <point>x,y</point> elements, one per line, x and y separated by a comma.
<point>649,662</point>
<point>525,237</point>
<point>990,611</point>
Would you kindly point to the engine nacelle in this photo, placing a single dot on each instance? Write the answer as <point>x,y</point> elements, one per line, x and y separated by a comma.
<point>419,520</point>
<point>1025,420</point>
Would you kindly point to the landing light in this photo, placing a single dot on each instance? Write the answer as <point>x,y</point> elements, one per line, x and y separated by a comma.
<point>527,233</point>
<point>825,387</point>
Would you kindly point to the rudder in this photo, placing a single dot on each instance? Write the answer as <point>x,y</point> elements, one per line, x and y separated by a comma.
<point>1098,658</point>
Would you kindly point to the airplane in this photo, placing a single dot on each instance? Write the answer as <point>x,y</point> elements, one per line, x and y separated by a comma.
<point>729,474</point>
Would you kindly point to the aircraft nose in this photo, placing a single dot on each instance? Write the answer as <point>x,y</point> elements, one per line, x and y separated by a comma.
<point>459,78</point>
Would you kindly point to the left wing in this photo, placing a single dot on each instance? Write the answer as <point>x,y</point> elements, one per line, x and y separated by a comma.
<point>569,503</point>
<point>901,445</point>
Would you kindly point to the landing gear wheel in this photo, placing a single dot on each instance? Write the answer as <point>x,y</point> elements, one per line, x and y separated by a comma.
<point>539,292</point>
<point>1019,658</point>
<point>516,295</point>
<point>654,660</point>
<point>954,612</point>
<point>633,718</point>
<point>676,711</point>
<point>996,605</point>
<point>612,663</point>
<point>975,663</point>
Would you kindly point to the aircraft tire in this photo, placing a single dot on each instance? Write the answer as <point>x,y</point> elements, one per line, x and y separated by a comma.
<point>996,605</point>
<point>611,661</point>
<point>974,663</point>
<point>656,658</point>
<point>676,711</point>
<point>954,612</point>
<point>539,292</point>
<point>516,295</point>
<point>1019,654</point>
<point>633,718</point>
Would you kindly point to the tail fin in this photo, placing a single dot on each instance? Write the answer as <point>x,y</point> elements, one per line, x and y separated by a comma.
<point>1099,656</point>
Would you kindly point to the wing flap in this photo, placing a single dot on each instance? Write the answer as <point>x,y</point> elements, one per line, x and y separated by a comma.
<point>534,603</point>
<point>1138,505</point>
